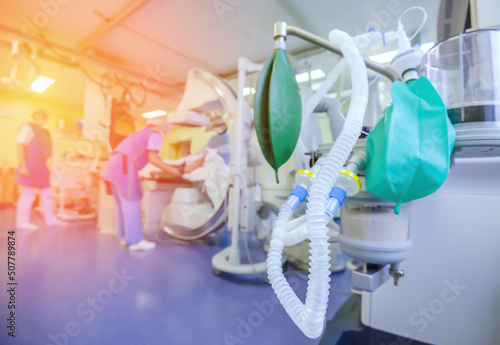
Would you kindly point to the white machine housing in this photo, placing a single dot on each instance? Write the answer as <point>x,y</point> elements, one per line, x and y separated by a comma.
<point>450,293</point>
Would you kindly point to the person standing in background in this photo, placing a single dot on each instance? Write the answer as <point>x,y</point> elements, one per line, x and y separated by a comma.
<point>34,147</point>
<point>122,175</point>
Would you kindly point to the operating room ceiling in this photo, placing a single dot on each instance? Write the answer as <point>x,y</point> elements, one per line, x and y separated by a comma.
<point>162,39</point>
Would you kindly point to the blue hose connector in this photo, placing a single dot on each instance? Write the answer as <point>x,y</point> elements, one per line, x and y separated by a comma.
<point>298,195</point>
<point>337,196</point>
<point>338,193</point>
<point>300,192</point>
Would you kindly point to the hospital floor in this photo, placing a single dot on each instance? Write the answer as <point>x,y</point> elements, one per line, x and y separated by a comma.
<point>78,286</point>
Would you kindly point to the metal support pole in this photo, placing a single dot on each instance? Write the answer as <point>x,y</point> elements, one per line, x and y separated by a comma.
<point>282,30</point>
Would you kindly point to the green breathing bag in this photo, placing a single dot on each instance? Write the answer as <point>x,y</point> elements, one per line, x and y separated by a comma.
<point>408,151</point>
<point>277,110</point>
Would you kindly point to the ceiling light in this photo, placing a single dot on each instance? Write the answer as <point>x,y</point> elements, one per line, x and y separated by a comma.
<point>154,113</point>
<point>248,90</point>
<point>41,84</point>
<point>384,57</point>
<point>388,56</point>
<point>315,74</point>
<point>302,77</point>
<point>426,46</point>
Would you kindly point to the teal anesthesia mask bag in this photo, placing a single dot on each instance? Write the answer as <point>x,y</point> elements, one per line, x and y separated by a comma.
<point>408,151</point>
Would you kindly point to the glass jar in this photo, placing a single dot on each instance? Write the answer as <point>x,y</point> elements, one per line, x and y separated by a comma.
<point>465,70</point>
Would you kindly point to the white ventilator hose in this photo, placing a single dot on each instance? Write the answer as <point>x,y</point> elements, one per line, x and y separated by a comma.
<point>298,233</point>
<point>310,317</point>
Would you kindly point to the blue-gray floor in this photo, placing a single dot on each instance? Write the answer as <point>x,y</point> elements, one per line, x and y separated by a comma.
<point>76,286</point>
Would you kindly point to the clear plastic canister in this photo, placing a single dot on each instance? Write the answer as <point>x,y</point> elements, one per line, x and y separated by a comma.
<point>371,232</point>
<point>465,70</point>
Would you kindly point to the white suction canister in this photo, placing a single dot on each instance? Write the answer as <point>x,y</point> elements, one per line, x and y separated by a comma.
<point>371,232</point>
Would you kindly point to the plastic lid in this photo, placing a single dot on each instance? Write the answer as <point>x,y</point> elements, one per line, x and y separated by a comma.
<point>407,60</point>
<point>349,181</point>
<point>307,172</point>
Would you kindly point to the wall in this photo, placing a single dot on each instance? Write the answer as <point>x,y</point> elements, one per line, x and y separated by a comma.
<point>197,135</point>
<point>22,105</point>
<point>484,14</point>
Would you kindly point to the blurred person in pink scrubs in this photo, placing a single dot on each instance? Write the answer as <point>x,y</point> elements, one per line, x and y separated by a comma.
<point>122,174</point>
